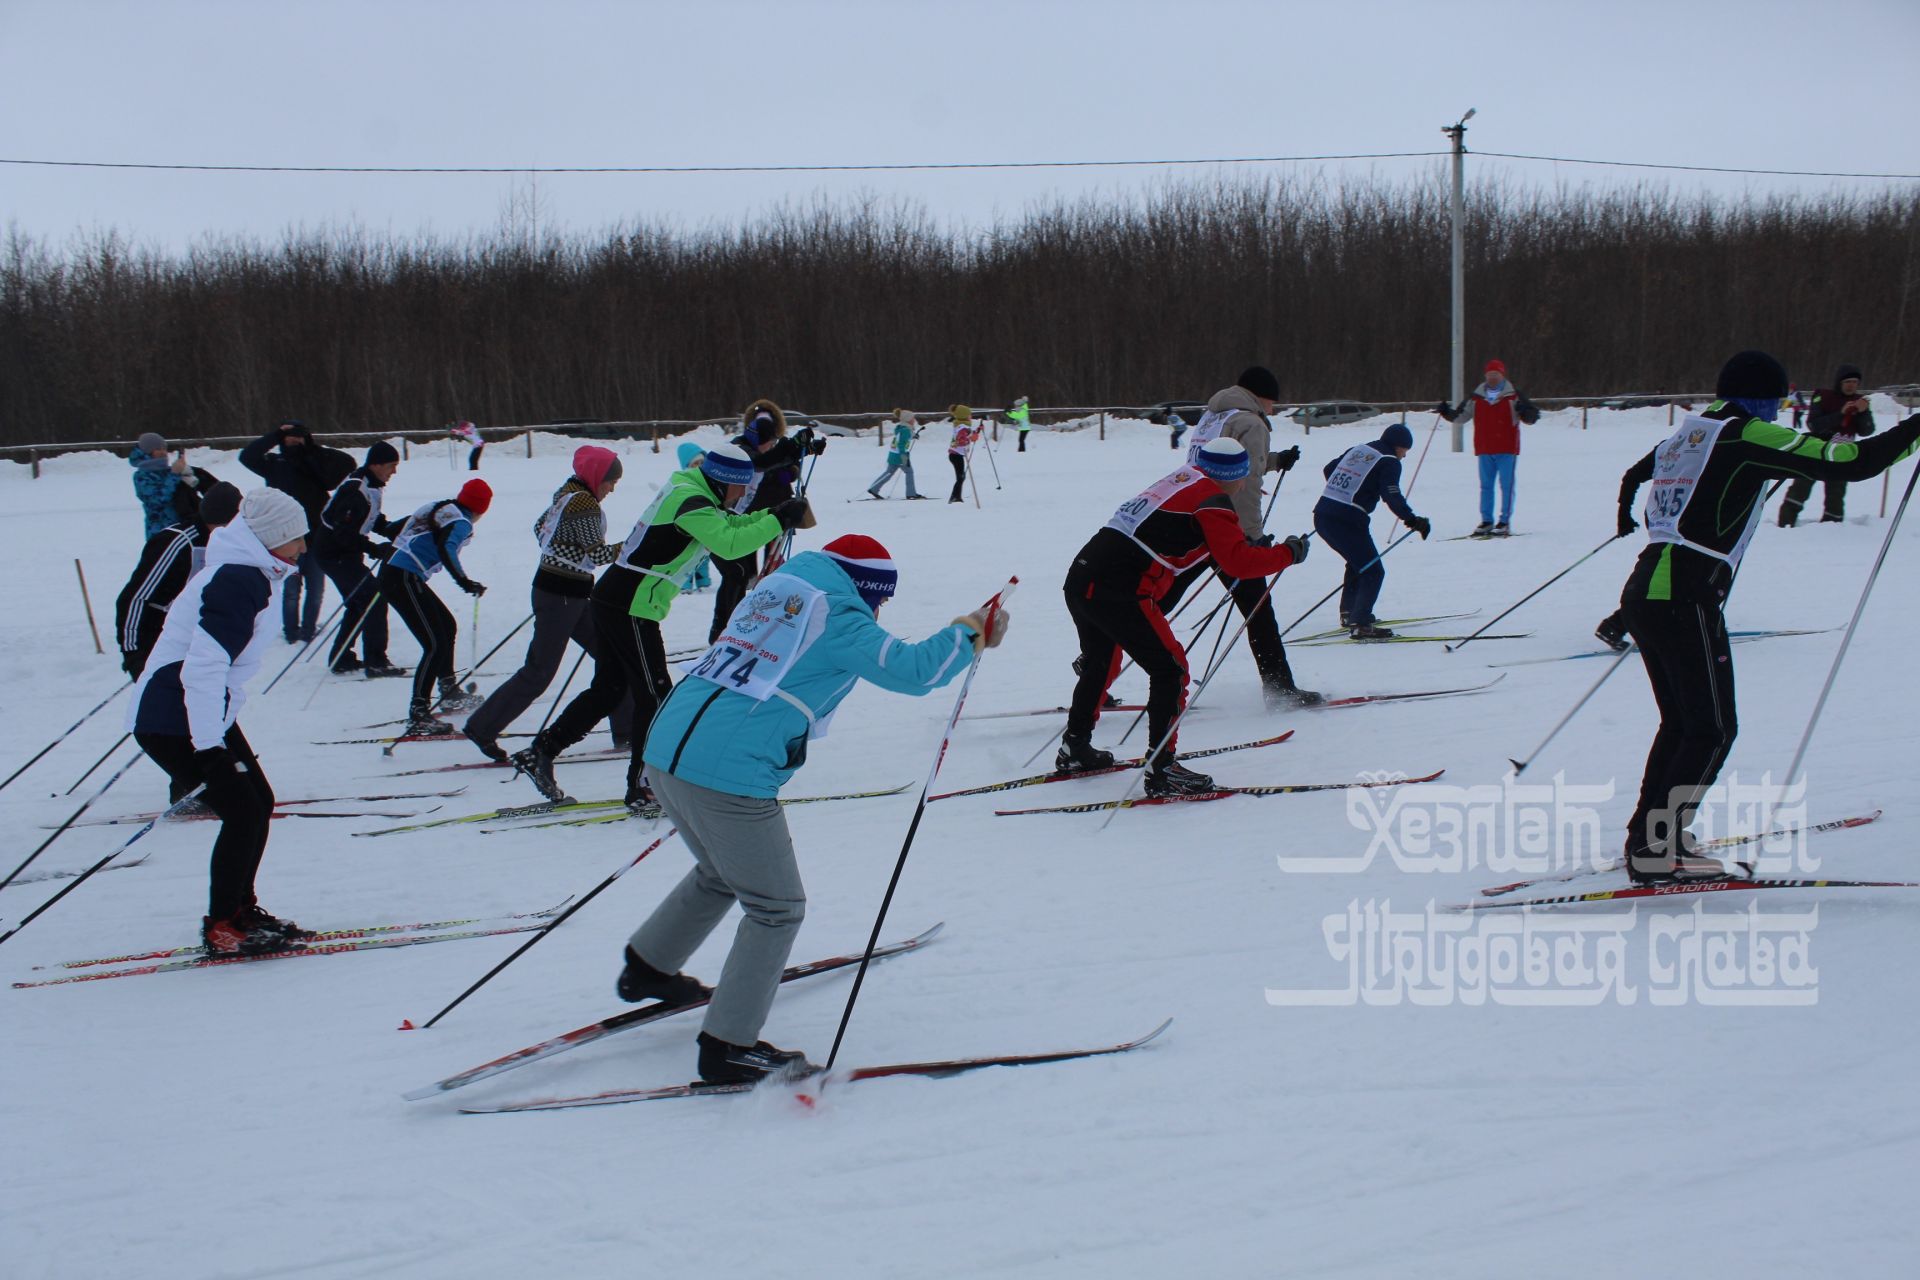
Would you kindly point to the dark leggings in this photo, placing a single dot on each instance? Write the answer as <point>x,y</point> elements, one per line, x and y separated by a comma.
<point>632,659</point>
<point>959,462</point>
<point>358,588</point>
<point>556,620</point>
<point>1255,603</point>
<point>297,622</point>
<point>1137,629</point>
<point>431,623</point>
<point>243,801</point>
<point>1690,666</point>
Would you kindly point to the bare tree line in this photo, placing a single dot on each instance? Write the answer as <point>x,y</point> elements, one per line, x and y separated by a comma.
<point>1342,290</point>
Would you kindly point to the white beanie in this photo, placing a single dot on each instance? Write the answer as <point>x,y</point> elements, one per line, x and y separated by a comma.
<point>273,517</point>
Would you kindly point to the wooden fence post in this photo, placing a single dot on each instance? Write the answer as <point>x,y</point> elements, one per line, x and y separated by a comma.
<point>1103,424</point>
<point>656,437</point>
<point>1583,417</point>
<point>33,456</point>
<point>1669,413</point>
<point>529,452</point>
<point>86,600</point>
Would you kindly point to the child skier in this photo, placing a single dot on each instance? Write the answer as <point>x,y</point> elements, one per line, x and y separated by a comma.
<point>899,457</point>
<point>959,446</point>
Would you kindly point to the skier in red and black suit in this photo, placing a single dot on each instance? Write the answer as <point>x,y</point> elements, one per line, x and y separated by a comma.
<point>1115,586</point>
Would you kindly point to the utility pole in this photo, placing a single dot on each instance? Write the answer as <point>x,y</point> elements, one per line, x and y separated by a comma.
<point>1457,132</point>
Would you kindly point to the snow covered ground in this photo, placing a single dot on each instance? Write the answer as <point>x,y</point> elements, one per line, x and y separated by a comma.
<point>246,1121</point>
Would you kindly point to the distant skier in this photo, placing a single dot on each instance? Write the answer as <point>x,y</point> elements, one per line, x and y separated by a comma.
<point>1498,410</point>
<point>290,460</point>
<point>170,558</point>
<point>185,712</point>
<point>1177,427</point>
<point>1838,412</point>
<point>430,540</point>
<point>342,541</point>
<point>476,443</point>
<point>1709,481</point>
<point>690,518</point>
<point>959,446</point>
<point>899,456</point>
<point>1022,418</point>
<point>1358,481</point>
<point>724,744</point>
<point>1114,591</point>
<point>572,536</point>
<point>1241,412</point>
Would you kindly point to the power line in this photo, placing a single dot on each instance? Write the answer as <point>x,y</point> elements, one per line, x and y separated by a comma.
<point>930,167</point>
<point>732,168</point>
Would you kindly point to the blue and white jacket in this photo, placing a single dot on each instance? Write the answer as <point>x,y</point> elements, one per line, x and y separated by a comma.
<point>432,537</point>
<point>216,631</point>
<point>717,738</point>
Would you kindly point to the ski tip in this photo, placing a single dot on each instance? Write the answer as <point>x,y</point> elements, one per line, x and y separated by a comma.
<point>406,1024</point>
<point>930,934</point>
<point>1154,1034</point>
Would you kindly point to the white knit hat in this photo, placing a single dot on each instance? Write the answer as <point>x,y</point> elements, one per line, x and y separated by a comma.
<point>273,517</point>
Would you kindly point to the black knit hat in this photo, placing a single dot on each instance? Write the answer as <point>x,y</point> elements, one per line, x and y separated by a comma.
<point>380,451</point>
<point>220,504</point>
<point>1260,380</point>
<point>1751,375</point>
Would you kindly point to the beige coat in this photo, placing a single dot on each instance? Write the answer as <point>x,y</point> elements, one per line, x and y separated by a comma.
<point>1249,426</point>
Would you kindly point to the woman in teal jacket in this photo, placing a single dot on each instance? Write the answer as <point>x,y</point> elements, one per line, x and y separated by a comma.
<point>722,745</point>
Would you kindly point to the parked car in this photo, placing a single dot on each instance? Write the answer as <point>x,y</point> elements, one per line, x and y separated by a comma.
<point>1189,411</point>
<point>1332,413</point>
<point>1907,396</point>
<point>796,420</point>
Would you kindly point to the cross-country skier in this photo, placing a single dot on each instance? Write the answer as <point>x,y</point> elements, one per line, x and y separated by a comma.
<point>959,446</point>
<point>290,460</point>
<point>169,559</point>
<point>899,457</point>
<point>468,434</point>
<point>1708,483</point>
<point>1498,410</point>
<point>1839,412</point>
<point>1114,591</point>
<point>776,458</point>
<point>690,518</point>
<point>185,712</point>
<point>342,540</point>
<point>1357,481</point>
<point>572,536</point>
<point>1022,418</point>
<point>724,744</point>
<point>1240,412</point>
<point>430,540</point>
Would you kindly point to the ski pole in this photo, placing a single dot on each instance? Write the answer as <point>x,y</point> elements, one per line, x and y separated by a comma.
<point>345,646</point>
<point>69,731</point>
<point>1422,459</point>
<point>972,478</point>
<point>561,696</point>
<point>994,463</point>
<point>61,829</point>
<point>96,764</point>
<point>1455,648</point>
<point>301,653</point>
<point>1520,766</point>
<point>327,629</point>
<point>553,924</point>
<point>992,608</point>
<point>473,635</point>
<point>82,878</point>
<point>489,654</point>
<point>1337,590</point>
<point>1846,640</point>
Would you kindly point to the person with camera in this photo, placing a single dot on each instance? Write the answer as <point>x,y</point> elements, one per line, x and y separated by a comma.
<point>1839,412</point>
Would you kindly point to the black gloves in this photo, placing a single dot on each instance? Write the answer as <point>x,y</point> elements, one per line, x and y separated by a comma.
<point>794,513</point>
<point>381,551</point>
<point>128,665</point>
<point>1296,544</point>
<point>1421,525</point>
<point>1626,524</point>
<point>1283,460</point>
<point>817,445</point>
<point>1527,412</point>
<point>1444,409</point>
<point>216,765</point>
<point>472,588</point>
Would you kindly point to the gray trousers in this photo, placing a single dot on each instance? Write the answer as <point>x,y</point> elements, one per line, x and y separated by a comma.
<point>741,853</point>
<point>906,465</point>
<point>556,620</point>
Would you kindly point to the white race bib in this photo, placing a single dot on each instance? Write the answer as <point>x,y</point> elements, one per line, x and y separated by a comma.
<point>768,633</point>
<point>1677,467</point>
<point>1355,465</point>
<point>1208,428</point>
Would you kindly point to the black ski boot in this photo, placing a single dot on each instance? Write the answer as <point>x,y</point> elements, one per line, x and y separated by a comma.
<point>453,698</point>
<point>1646,865</point>
<point>1612,632</point>
<point>642,803</point>
<point>422,723</point>
<point>1079,755</point>
<point>723,1063</point>
<point>1287,697</point>
<point>1482,530</point>
<point>345,665</point>
<point>1369,631</point>
<point>1170,778</point>
<point>257,918</point>
<point>381,669</point>
<point>489,746</point>
<point>537,764</point>
<point>640,982</point>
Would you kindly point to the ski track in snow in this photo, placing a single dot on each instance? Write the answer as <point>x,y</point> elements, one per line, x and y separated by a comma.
<point>246,1121</point>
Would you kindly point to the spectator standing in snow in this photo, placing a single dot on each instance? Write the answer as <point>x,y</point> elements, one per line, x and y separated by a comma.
<point>167,487</point>
<point>186,707</point>
<point>1838,412</point>
<point>288,460</point>
<point>899,457</point>
<point>1498,409</point>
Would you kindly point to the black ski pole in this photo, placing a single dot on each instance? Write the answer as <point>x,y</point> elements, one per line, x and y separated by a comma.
<point>346,647</point>
<point>1455,648</point>
<point>486,657</point>
<point>96,764</point>
<point>82,878</point>
<point>1520,766</point>
<point>62,828</point>
<point>63,737</point>
<point>299,654</point>
<point>553,924</point>
<point>326,631</point>
<point>993,606</point>
<point>561,696</point>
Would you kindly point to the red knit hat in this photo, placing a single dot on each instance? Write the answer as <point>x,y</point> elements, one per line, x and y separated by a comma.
<point>475,496</point>
<point>1496,366</point>
<point>868,564</point>
<point>594,465</point>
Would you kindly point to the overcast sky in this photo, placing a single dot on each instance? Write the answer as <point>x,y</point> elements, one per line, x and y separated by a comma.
<point>1825,85</point>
